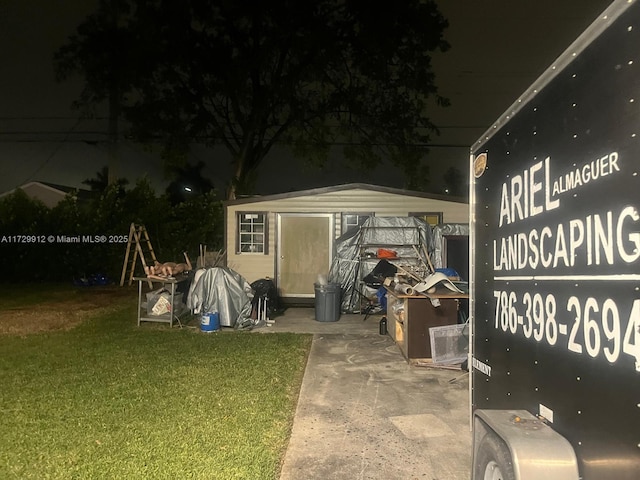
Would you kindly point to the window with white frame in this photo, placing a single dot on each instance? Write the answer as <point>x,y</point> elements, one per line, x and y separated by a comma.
<point>351,220</point>
<point>252,232</point>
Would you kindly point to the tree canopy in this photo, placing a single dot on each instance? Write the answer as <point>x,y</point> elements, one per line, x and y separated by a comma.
<point>250,74</point>
<point>187,181</point>
<point>101,181</point>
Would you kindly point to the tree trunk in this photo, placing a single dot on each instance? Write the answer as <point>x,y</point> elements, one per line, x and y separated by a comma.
<point>113,141</point>
<point>238,178</point>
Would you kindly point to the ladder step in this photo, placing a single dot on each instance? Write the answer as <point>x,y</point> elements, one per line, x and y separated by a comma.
<point>138,236</point>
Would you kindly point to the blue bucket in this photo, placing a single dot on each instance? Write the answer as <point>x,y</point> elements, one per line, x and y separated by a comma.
<point>210,322</point>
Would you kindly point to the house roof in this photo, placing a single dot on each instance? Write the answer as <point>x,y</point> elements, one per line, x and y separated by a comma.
<point>62,190</point>
<point>56,186</point>
<point>81,193</point>
<point>346,186</point>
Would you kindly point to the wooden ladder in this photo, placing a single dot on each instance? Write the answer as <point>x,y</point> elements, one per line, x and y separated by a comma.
<point>139,240</point>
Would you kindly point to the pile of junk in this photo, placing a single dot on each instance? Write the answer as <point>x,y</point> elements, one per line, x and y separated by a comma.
<point>238,303</point>
<point>212,290</point>
<point>390,253</point>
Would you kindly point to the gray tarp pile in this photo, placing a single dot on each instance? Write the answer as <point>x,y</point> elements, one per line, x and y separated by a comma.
<point>404,235</point>
<point>224,291</point>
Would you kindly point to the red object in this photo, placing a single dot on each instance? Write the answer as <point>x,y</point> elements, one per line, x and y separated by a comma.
<point>384,253</point>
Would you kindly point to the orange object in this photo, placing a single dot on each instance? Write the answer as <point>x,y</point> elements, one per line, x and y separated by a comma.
<point>385,253</point>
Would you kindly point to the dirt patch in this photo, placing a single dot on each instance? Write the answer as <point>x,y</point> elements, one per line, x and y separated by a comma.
<point>56,315</point>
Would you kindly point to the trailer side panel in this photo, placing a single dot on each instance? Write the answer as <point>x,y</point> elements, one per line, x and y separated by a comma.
<point>556,243</point>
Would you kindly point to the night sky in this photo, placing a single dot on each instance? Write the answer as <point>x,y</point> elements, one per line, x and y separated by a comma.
<point>499,47</point>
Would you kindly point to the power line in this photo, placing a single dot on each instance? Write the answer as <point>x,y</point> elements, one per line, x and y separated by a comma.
<point>53,118</point>
<point>44,132</point>
<point>92,119</point>
<point>51,155</point>
<point>334,144</point>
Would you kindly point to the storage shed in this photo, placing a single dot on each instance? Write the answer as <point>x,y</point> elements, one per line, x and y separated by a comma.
<point>289,237</point>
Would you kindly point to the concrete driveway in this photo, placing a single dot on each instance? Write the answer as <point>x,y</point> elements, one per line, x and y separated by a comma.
<point>365,413</point>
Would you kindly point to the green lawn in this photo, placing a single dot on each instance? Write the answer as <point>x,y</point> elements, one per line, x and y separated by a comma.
<point>110,400</point>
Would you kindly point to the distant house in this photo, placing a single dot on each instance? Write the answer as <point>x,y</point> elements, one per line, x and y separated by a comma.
<point>48,193</point>
<point>290,237</point>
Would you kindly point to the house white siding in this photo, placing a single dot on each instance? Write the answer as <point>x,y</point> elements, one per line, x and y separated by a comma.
<point>365,199</point>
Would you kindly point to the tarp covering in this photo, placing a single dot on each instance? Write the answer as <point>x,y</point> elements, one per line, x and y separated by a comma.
<point>357,253</point>
<point>439,232</point>
<point>224,291</point>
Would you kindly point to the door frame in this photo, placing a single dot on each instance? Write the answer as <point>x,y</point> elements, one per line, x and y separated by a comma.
<point>278,245</point>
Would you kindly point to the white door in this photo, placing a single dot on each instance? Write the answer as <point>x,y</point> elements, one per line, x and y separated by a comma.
<point>305,250</point>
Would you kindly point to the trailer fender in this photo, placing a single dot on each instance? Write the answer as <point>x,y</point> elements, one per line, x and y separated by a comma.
<point>515,445</point>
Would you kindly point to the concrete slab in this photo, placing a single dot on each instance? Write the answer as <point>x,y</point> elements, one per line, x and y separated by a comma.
<point>365,413</point>
<point>302,320</point>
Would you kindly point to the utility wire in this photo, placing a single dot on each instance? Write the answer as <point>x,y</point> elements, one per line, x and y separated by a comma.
<point>51,155</point>
<point>335,144</point>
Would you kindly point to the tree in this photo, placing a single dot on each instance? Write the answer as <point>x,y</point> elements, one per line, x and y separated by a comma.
<point>187,181</point>
<point>455,182</point>
<point>101,181</point>
<point>249,74</point>
<point>96,51</point>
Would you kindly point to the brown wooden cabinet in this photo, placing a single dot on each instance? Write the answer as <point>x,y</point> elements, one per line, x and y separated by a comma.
<point>410,317</point>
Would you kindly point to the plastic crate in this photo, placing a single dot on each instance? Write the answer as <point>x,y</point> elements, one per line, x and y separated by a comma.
<point>449,344</point>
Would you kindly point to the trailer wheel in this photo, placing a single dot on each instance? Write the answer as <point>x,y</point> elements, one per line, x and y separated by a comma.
<point>493,460</point>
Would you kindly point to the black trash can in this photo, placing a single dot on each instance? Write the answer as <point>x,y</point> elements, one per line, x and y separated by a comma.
<point>327,302</point>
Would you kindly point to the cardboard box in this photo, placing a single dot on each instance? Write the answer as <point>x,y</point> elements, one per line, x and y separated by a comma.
<point>159,302</point>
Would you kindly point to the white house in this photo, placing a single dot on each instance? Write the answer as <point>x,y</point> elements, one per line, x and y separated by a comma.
<point>48,193</point>
<point>289,237</point>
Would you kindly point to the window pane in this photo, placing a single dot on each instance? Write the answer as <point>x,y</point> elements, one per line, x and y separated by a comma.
<point>432,218</point>
<point>351,220</point>
<point>252,233</point>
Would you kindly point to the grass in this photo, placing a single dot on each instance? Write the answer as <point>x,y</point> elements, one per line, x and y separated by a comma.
<point>19,295</point>
<point>108,399</point>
